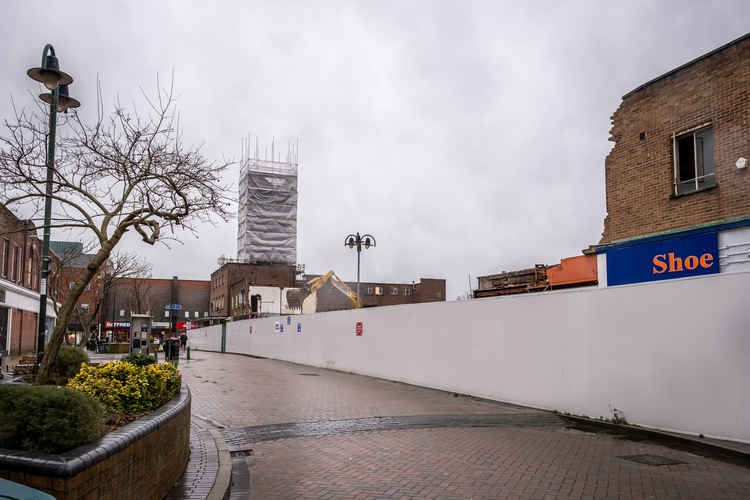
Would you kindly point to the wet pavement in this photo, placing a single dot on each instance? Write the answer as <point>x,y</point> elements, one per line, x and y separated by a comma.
<point>337,435</point>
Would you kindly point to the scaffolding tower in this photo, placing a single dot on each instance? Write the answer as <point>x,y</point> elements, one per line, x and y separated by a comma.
<point>267,213</point>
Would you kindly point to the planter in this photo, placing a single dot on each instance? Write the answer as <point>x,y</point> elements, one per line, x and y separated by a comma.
<point>140,460</point>
<point>119,348</point>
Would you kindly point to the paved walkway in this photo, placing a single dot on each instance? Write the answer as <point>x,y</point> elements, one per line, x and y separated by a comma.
<point>301,432</point>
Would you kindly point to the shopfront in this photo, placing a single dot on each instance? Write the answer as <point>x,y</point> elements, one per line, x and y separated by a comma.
<point>697,252</point>
<point>117,331</point>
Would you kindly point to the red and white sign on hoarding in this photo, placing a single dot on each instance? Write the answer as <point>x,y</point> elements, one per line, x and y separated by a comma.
<point>358,329</point>
<point>251,329</point>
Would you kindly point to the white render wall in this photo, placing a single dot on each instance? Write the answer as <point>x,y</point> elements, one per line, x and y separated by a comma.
<point>673,355</point>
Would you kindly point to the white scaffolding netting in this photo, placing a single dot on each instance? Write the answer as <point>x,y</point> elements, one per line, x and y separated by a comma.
<point>267,216</point>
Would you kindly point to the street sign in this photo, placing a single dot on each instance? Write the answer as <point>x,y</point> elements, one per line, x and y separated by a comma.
<point>174,307</point>
<point>299,328</point>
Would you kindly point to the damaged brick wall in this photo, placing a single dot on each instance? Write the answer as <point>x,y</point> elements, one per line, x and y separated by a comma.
<point>639,169</point>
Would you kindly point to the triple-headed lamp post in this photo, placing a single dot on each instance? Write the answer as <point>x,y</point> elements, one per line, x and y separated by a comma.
<point>59,101</point>
<point>366,240</point>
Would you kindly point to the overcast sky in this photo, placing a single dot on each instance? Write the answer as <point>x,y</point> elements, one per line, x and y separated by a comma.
<point>468,137</point>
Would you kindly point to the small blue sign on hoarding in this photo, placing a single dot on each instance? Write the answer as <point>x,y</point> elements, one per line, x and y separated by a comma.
<point>175,307</point>
<point>299,328</point>
<point>288,320</point>
<point>663,260</point>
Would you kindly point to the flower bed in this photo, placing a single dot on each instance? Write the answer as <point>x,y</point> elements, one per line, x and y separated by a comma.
<point>142,459</point>
<point>39,420</point>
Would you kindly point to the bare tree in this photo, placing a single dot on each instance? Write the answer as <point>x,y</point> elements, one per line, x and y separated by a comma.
<point>139,294</point>
<point>122,173</point>
<point>120,266</point>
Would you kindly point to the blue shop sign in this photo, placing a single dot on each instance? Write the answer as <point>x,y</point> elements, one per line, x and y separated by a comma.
<point>663,260</point>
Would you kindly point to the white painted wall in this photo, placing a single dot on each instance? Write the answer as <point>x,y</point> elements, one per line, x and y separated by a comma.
<point>673,355</point>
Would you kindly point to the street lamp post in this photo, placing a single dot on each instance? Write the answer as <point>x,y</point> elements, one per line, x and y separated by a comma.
<point>56,82</point>
<point>366,240</point>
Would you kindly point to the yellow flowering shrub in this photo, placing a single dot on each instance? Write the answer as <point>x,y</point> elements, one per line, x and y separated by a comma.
<point>125,388</point>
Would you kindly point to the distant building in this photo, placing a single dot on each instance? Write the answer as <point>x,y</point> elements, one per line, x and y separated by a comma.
<point>230,284</point>
<point>375,294</point>
<point>153,296</point>
<point>677,178</point>
<point>73,261</point>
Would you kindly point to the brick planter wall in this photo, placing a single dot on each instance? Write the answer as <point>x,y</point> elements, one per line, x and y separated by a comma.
<point>140,460</point>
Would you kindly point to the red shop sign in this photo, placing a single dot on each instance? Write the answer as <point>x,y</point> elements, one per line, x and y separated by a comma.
<point>358,328</point>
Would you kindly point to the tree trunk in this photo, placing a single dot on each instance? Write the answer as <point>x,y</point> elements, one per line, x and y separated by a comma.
<point>58,334</point>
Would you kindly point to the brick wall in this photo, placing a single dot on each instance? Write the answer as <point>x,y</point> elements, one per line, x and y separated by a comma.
<point>430,290</point>
<point>222,280</point>
<point>155,294</point>
<point>23,328</point>
<point>639,172</point>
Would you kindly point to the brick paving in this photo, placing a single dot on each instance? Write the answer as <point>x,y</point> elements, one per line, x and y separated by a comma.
<point>202,467</point>
<point>482,464</point>
<point>239,391</point>
<point>338,450</point>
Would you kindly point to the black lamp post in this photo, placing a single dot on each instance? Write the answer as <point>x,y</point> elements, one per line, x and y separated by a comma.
<point>366,240</point>
<point>59,102</point>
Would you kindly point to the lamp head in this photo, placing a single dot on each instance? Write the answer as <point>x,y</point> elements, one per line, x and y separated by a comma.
<point>49,74</point>
<point>64,101</point>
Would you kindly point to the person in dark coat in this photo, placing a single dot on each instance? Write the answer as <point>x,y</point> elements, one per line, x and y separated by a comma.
<point>183,340</point>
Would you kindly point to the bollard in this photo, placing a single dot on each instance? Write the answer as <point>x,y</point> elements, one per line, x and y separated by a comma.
<point>188,353</point>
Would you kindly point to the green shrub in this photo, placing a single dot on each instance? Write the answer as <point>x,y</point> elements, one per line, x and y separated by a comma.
<point>139,359</point>
<point>124,388</point>
<point>48,419</point>
<point>68,361</point>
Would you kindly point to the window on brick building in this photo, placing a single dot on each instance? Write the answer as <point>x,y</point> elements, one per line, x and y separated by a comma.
<point>84,306</point>
<point>122,313</point>
<point>407,291</point>
<point>17,272</point>
<point>6,256</point>
<point>29,266</point>
<point>378,290</point>
<point>394,290</point>
<point>693,161</point>
<point>166,314</point>
<point>197,314</point>
<point>187,314</point>
<point>369,290</point>
<point>13,263</point>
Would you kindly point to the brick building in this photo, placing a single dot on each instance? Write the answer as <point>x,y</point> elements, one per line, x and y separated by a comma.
<point>73,262</point>
<point>130,296</point>
<point>677,178</point>
<point>235,278</point>
<point>20,277</point>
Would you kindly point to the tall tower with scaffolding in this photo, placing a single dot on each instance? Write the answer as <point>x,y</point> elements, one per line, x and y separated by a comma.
<point>267,215</point>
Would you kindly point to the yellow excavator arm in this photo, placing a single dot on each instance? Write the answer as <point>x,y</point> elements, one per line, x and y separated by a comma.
<point>336,282</point>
